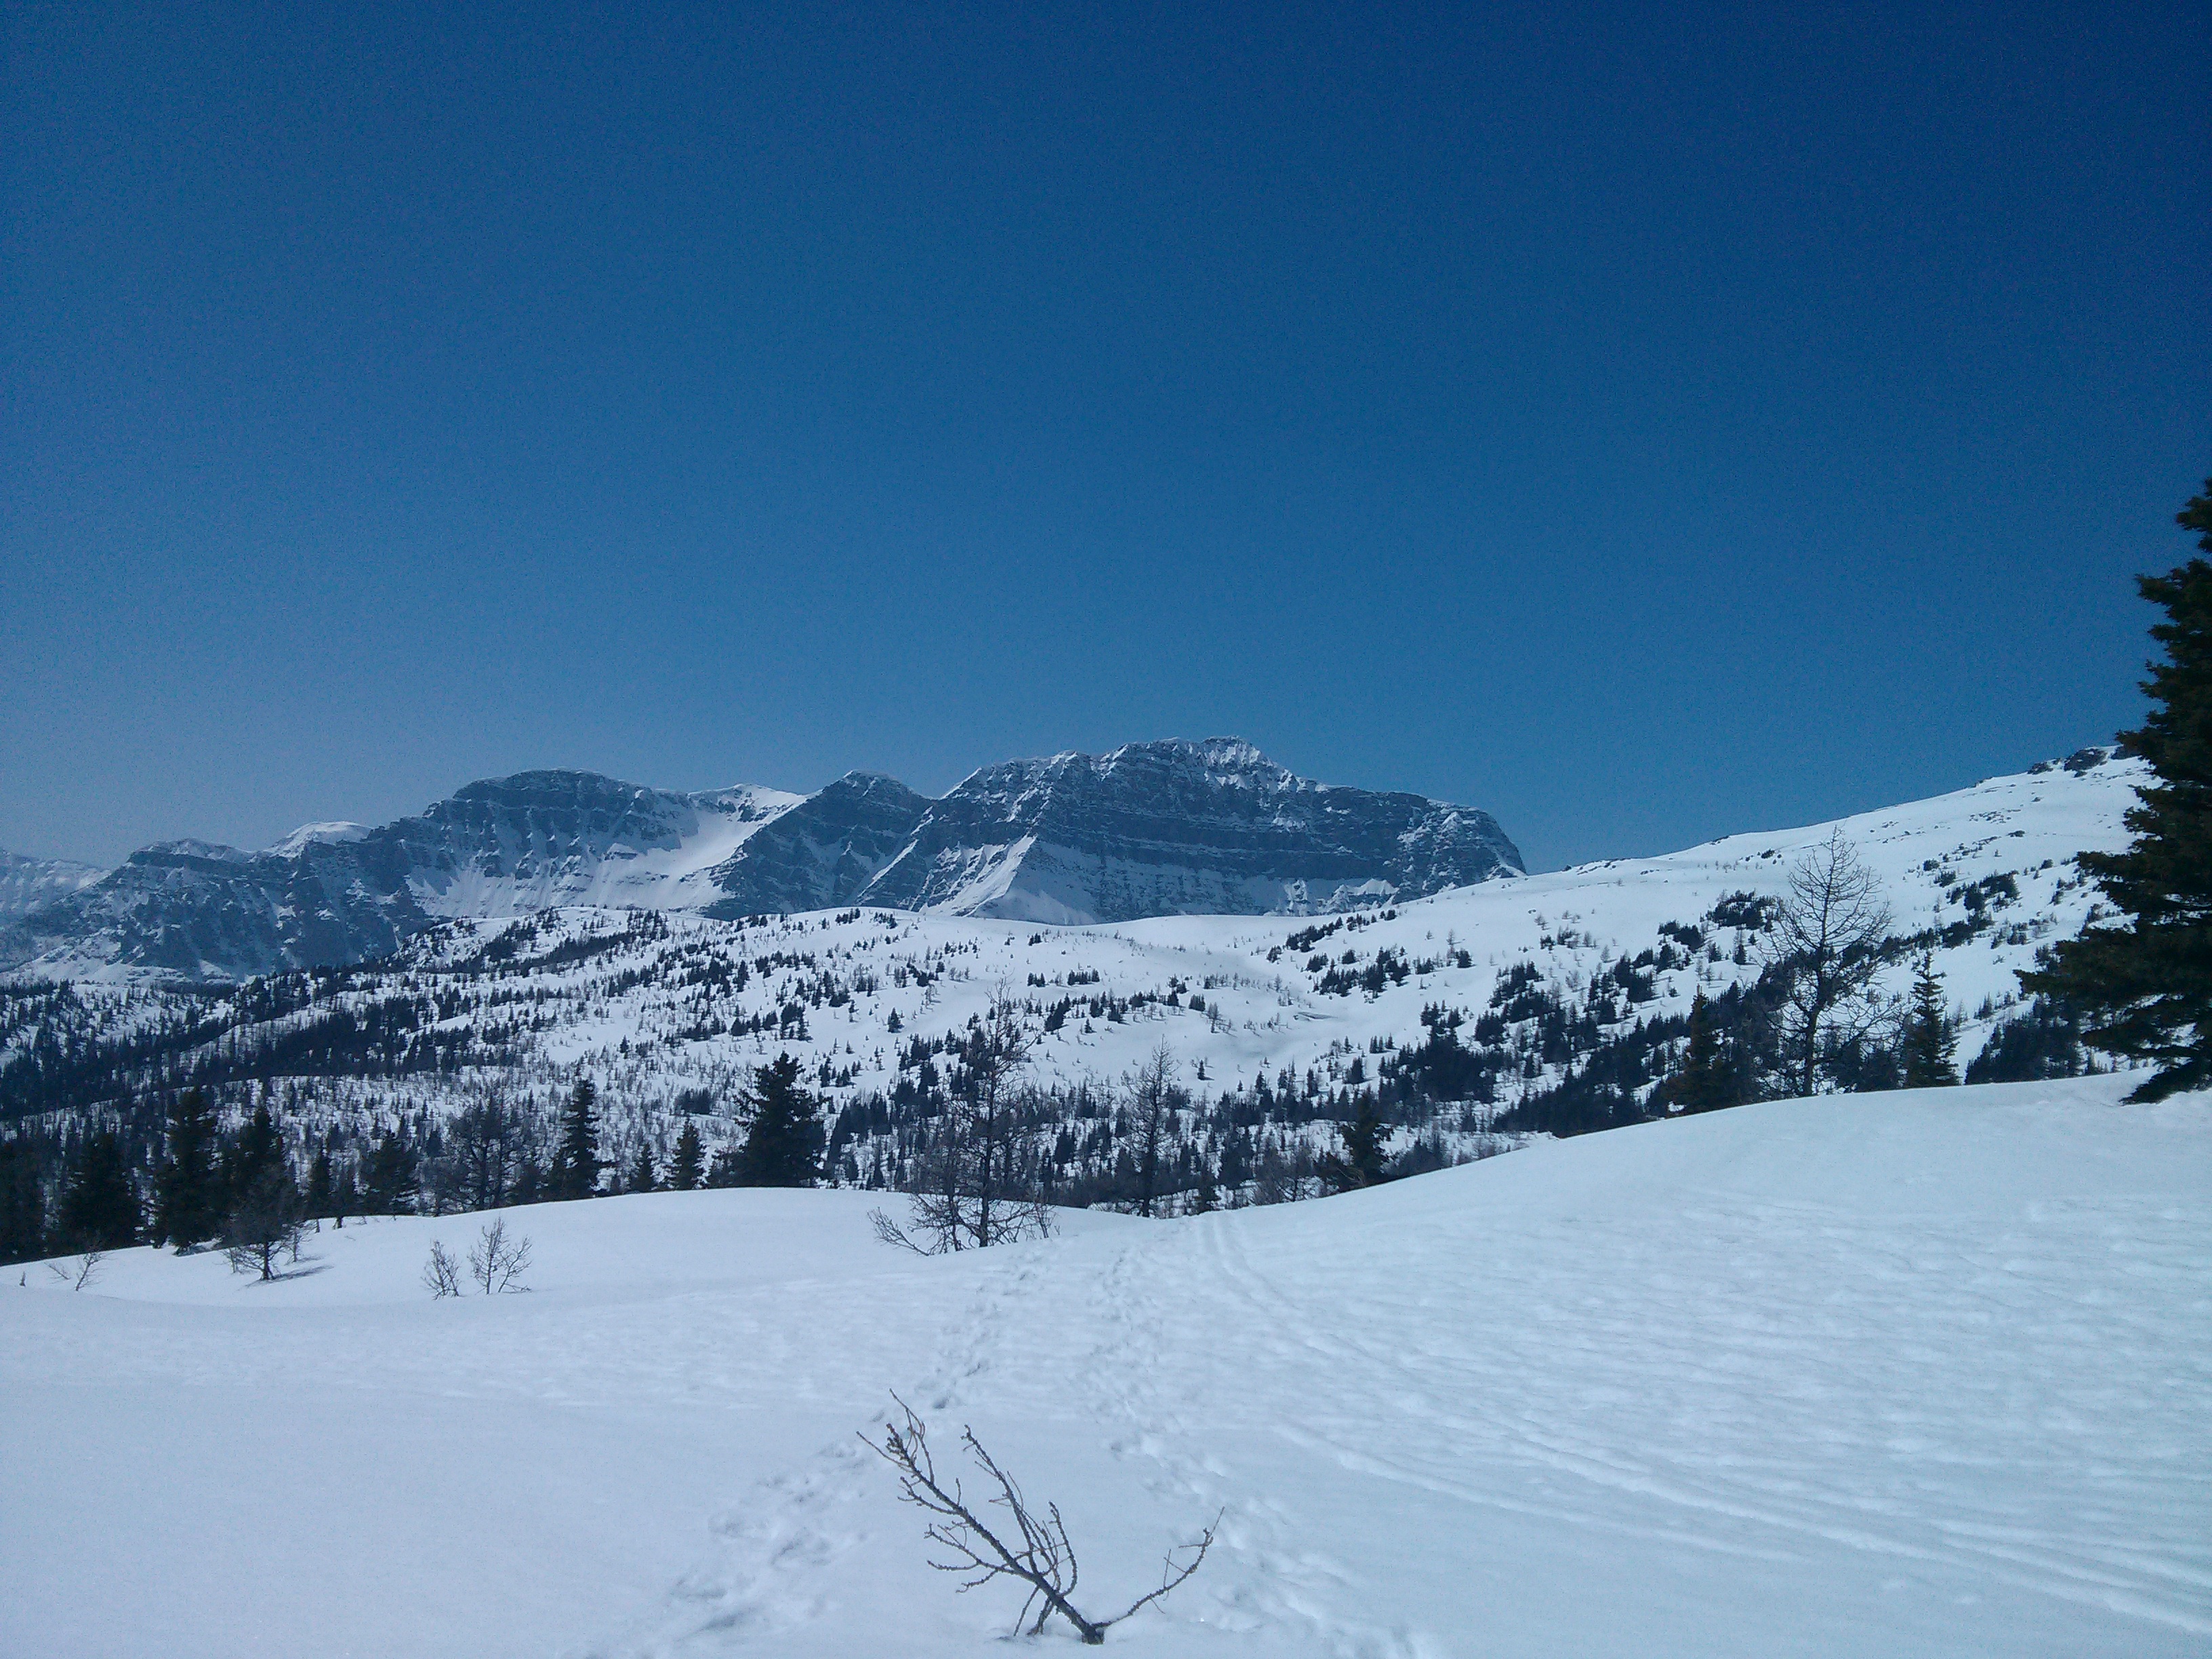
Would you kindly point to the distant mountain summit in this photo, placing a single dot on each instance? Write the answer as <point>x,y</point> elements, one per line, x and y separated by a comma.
<point>1177,828</point>
<point>29,883</point>
<point>1152,829</point>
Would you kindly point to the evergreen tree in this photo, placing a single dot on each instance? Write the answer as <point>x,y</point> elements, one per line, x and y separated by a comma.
<point>392,1180</point>
<point>316,1205</point>
<point>345,1194</point>
<point>188,1198</point>
<point>22,1202</point>
<point>2144,989</point>
<point>100,1210</point>
<point>1208,1198</point>
<point>1705,1081</point>
<point>259,1148</point>
<point>529,1187</point>
<point>687,1172</point>
<point>1359,1163</point>
<point>783,1130</point>
<point>575,1172</point>
<point>1929,1040</point>
<point>643,1177</point>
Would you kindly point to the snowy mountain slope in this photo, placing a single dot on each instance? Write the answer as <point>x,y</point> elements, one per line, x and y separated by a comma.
<point>333,893</point>
<point>1457,1009</point>
<point>512,846</point>
<point>1861,1376</point>
<point>1178,827</point>
<point>28,883</point>
<point>1152,829</point>
<point>822,853</point>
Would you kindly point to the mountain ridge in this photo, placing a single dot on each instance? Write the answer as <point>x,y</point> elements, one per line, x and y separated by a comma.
<point>1170,827</point>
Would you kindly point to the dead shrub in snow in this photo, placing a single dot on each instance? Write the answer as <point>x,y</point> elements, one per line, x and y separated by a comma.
<point>495,1261</point>
<point>442,1274</point>
<point>76,1277</point>
<point>1035,1551</point>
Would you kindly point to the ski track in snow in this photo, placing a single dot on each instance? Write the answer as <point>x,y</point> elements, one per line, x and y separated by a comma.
<point>1868,1375</point>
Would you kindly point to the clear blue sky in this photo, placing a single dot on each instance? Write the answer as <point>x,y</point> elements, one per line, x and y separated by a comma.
<point>1642,422</point>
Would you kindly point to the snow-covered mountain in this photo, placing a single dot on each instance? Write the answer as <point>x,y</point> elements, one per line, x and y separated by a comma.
<point>1150,829</point>
<point>334,893</point>
<point>1504,1000</point>
<point>28,883</point>
<point>1178,829</point>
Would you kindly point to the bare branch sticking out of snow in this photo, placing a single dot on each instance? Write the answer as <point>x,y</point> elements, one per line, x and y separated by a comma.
<point>1039,1555</point>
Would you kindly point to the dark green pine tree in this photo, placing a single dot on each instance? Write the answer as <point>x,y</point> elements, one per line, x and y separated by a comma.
<point>99,1209</point>
<point>259,1148</point>
<point>1359,1163</point>
<point>1705,1084</point>
<point>1930,1041</point>
<point>1208,1197</point>
<point>22,1202</point>
<point>2144,989</point>
<point>783,1130</point>
<point>689,1170</point>
<point>189,1201</point>
<point>345,1192</point>
<point>575,1172</point>
<point>643,1177</point>
<point>392,1181</point>
<point>318,1203</point>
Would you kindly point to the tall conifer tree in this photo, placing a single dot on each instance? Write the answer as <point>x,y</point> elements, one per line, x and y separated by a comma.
<point>188,1198</point>
<point>2144,989</point>
<point>689,1170</point>
<point>576,1165</point>
<point>99,1211</point>
<point>1929,1040</point>
<point>1705,1082</point>
<point>783,1130</point>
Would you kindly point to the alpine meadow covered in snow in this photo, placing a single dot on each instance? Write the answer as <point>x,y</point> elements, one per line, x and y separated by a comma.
<point>1860,1373</point>
<point>844,833</point>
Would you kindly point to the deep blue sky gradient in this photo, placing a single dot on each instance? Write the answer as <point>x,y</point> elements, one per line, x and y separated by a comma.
<point>1645,422</point>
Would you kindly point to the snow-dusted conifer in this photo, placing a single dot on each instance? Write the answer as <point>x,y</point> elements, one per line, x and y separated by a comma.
<point>687,1170</point>
<point>2145,989</point>
<point>1928,1039</point>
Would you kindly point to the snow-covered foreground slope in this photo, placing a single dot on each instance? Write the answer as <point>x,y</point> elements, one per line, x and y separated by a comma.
<point>1881,1374</point>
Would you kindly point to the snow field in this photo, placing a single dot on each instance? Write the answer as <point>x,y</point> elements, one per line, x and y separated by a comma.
<point>1921,1373</point>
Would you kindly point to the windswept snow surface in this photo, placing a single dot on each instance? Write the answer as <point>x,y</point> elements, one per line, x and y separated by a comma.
<point>1881,1374</point>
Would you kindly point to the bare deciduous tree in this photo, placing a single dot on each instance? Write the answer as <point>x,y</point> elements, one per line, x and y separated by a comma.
<point>966,1193</point>
<point>1827,937</point>
<point>485,1147</point>
<point>1154,1098</point>
<point>442,1274</point>
<point>1036,1551</point>
<point>265,1223</point>
<point>495,1261</point>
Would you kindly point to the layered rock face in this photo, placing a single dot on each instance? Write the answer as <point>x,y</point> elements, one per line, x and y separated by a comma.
<point>1155,828</point>
<point>336,893</point>
<point>1179,828</point>
<point>824,852</point>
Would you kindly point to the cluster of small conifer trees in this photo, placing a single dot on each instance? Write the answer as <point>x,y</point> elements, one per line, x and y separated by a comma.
<point>252,1193</point>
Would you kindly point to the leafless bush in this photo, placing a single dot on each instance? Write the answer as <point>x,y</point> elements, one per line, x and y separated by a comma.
<point>1039,1555</point>
<point>495,1261</point>
<point>81,1272</point>
<point>442,1274</point>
